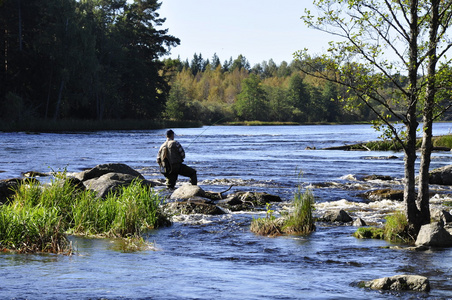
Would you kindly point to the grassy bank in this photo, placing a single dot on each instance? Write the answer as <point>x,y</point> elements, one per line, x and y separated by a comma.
<point>36,125</point>
<point>40,217</point>
<point>442,141</point>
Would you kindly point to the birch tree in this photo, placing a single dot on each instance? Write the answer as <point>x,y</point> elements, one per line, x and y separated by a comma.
<point>375,42</point>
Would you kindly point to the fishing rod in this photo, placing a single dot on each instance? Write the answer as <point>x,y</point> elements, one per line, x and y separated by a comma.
<point>203,132</point>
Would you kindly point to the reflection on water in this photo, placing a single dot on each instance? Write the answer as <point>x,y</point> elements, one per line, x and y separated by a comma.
<point>218,257</point>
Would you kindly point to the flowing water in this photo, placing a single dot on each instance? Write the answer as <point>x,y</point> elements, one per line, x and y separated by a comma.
<point>201,257</point>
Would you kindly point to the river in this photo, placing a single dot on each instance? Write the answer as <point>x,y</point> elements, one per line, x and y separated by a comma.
<point>201,257</point>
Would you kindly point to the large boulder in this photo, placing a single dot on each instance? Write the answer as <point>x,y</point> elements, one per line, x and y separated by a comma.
<point>399,283</point>
<point>441,176</point>
<point>187,191</point>
<point>107,178</point>
<point>434,235</point>
<point>107,183</point>
<point>103,169</point>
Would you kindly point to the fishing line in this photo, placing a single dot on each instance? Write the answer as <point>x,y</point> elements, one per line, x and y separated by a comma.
<point>203,132</point>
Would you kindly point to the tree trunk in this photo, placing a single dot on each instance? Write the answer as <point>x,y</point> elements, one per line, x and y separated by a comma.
<point>411,124</point>
<point>409,193</point>
<point>426,150</point>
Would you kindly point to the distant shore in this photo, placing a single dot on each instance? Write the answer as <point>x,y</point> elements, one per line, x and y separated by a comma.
<point>74,125</point>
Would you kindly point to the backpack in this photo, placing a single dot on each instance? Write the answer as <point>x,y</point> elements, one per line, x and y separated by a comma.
<point>165,165</point>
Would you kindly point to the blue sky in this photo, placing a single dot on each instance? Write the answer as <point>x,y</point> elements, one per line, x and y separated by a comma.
<point>258,29</point>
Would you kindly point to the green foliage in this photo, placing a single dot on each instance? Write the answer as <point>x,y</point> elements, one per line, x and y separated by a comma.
<point>39,216</point>
<point>443,141</point>
<point>252,101</point>
<point>83,59</point>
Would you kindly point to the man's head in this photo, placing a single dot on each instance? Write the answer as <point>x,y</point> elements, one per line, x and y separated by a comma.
<point>170,134</point>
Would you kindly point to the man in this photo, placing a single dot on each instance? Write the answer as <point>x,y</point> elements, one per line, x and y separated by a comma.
<point>173,151</point>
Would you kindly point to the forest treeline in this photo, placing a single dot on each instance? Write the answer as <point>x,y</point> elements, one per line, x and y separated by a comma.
<point>209,90</point>
<point>105,60</point>
<point>84,59</point>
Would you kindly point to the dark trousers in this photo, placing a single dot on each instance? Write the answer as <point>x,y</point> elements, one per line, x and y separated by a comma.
<point>181,169</point>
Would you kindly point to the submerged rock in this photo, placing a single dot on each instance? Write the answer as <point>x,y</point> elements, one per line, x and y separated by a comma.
<point>193,206</point>
<point>434,235</point>
<point>340,216</point>
<point>247,200</point>
<point>377,177</point>
<point>381,194</point>
<point>399,283</point>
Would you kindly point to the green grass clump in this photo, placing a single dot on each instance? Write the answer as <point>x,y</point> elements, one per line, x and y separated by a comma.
<point>369,233</point>
<point>394,230</point>
<point>39,217</point>
<point>125,213</point>
<point>299,221</point>
<point>26,229</point>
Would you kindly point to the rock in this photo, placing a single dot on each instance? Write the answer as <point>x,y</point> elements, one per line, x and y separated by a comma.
<point>34,174</point>
<point>377,177</point>
<point>76,183</point>
<point>336,216</point>
<point>434,235</point>
<point>103,169</point>
<point>8,188</point>
<point>247,200</point>
<point>193,206</point>
<point>442,176</point>
<point>442,215</point>
<point>359,222</point>
<point>109,182</point>
<point>188,191</point>
<point>257,198</point>
<point>377,195</point>
<point>107,178</point>
<point>399,283</point>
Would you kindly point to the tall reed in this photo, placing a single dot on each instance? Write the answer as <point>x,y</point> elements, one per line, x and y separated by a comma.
<point>27,229</point>
<point>125,213</point>
<point>300,220</point>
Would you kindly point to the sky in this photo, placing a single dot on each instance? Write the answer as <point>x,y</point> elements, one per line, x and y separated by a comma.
<point>260,30</point>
